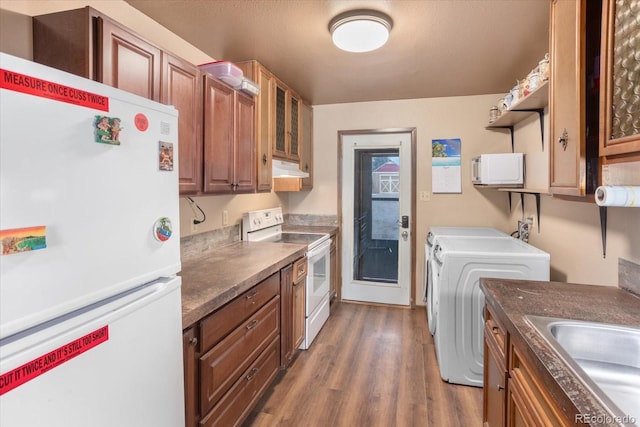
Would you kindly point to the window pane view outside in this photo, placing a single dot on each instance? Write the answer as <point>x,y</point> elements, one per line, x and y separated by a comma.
<point>377,213</point>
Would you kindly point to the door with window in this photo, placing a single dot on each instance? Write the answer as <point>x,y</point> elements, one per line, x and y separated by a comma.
<point>376,206</point>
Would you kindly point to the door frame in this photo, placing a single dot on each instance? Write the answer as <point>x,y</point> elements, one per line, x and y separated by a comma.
<point>412,220</point>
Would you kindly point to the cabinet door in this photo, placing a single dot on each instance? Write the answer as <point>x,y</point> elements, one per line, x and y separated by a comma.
<point>182,88</point>
<point>244,145</point>
<point>575,44</point>
<point>306,146</point>
<point>280,148</point>
<point>218,137</point>
<point>190,354</point>
<point>299,292</point>
<point>494,384</point>
<point>294,126</point>
<point>127,62</point>
<point>265,127</point>
<point>619,103</point>
<point>286,315</point>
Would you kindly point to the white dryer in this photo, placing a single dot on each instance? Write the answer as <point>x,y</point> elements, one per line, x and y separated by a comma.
<point>432,239</point>
<point>458,264</point>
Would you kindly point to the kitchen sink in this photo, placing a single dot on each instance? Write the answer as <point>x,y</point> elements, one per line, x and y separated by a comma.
<point>605,357</point>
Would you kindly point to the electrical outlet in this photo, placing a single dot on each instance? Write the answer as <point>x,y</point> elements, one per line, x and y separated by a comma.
<point>225,217</point>
<point>425,196</point>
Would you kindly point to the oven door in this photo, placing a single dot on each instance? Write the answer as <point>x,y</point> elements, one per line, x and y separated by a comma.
<point>318,276</point>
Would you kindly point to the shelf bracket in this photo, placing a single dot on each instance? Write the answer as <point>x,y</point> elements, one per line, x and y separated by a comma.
<point>537,196</point>
<point>603,229</point>
<point>540,112</point>
<point>510,131</point>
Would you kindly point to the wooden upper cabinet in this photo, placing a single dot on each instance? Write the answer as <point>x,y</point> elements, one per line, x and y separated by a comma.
<point>620,101</point>
<point>86,43</point>
<point>264,120</point>
<point>182,88</point>
<point>306,144</point>
<point>287,123</point>
<point>245,146</point>
<point>127,62</point>
<point>229,139</point>
<point>218,136</point>
<point>574,98</point>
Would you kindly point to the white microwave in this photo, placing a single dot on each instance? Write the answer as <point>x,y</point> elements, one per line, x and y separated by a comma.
<point>498,169</point>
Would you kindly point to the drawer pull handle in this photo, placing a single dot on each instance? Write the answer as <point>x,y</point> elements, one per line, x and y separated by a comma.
<point>500,388</point>
<point>252,325</point>
<point>193,341</point>
<point>252,295</point>
<point>252,374</point>
<point>495,329</point>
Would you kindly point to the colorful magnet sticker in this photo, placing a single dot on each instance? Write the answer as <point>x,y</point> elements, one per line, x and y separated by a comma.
<point>141,121</point>
<point>17,240</point>
<point>162,229</point>
<point>166,156</point>
<point>108,130</point>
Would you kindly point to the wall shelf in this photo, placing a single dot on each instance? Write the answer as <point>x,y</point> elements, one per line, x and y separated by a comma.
<point>522,191</point>
<point>535,102</point>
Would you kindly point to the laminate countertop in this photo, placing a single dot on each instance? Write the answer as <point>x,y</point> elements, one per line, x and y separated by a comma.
<point>218,276</point>
<point>511,300</point>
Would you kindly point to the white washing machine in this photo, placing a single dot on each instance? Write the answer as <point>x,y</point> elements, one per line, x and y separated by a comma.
<point>432,239</point>
<point>458,264</point>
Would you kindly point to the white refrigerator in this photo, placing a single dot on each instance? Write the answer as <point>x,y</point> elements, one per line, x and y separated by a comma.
<point>90,306</point>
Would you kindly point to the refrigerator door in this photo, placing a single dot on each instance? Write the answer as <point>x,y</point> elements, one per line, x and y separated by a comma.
<point>118,363</point>
<point>98,201</point>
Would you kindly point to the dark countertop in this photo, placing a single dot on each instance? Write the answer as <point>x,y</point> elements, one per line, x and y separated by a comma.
<point>215,278</point>
<point>329,229</point>
<point>512,299</point>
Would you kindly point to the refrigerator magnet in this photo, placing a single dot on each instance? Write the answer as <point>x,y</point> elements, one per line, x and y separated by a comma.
<point>16,240</point>
<point>141,122</point>
<point>107,130</point>
<point>165,155</point>
<point>162,229</point>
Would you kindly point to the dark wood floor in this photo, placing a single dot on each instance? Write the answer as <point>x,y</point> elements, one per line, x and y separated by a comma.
<point>369,366</point>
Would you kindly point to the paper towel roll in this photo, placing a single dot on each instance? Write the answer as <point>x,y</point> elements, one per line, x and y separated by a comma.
<point>617,195</point>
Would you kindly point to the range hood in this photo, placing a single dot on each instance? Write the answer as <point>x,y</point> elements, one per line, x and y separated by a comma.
<point>284,169</point>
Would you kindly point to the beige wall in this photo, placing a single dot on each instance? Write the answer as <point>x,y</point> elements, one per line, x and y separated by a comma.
<point>570,231</point>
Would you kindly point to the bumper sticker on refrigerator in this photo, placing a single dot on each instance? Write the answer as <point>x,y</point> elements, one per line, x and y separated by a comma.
<point>45,89</point>
<point>108,130</point>
<point>17,240</point>
<point>38,366</point>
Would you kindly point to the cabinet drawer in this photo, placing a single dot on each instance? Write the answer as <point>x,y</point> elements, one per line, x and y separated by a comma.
<point>236,404</point>
<point>225,362</point>
<point>496,334</point>
<point>300,270</point>
<point>218,324</point>
<point>529,403</point>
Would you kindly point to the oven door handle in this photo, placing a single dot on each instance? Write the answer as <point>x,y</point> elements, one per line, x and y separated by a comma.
<point>320,250</point>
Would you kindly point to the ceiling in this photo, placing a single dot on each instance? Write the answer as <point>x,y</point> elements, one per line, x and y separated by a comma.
<point>437,48</point>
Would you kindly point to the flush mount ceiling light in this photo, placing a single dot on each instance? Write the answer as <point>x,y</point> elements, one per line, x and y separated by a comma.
<point>360,30</point>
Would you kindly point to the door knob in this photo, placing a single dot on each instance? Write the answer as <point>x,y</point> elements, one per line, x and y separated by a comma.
<point>405,234</point>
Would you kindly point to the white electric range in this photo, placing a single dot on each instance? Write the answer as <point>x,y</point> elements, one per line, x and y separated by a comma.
<point>266,226</point>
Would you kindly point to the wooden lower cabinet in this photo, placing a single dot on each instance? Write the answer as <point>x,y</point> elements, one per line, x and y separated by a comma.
<point>513,394</point>
<point>234,407</point>
<point>299,297</point>
<point>529,404</point>
<point>232,355</point>
<point>495,373</point>
<point>286,315</point>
